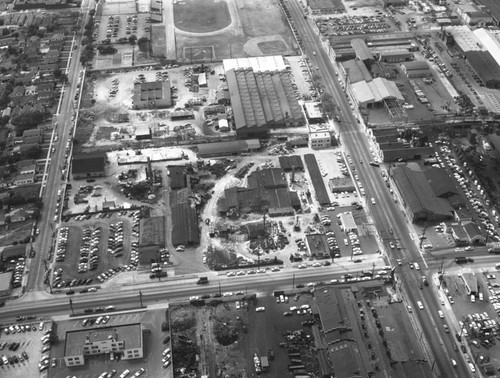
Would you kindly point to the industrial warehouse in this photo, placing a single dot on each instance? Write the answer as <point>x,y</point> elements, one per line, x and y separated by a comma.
<point>261,95</point>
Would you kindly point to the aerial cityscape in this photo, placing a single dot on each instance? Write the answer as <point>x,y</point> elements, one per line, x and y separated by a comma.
<point>249,188</point>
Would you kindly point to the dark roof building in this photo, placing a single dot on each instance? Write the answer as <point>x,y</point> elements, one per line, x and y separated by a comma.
<point>152,95</point>
<point>441,183</point>
<point>325,6</point>
<point>13,252</point>
<point>262,100</point>
<point>418,198</point>
<point>177,176</point>
<point>476,236</point>
<point>185,229</point>
<point>485,66</point>
<point>88,165</point>
<point>267,191</point>
<point>232,147</point>
<point>317,180</point>
<point>287,163</point>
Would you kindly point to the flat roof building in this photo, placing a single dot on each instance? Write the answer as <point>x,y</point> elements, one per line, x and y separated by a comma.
<point>152,95</point>
<point>232,147</point>
<point>348,222</point>
<point>317,245</point>
<point>125,340</point>
<point>88,165</point>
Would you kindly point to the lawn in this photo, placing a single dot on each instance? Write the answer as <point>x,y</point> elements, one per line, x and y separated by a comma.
<point>201,16</point>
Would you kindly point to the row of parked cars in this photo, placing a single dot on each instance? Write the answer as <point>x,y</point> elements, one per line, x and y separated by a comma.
<point>115,239</point>
<point>472,190</point>
<point>17,277</point>
<point>63,244</point>
<point>89,250</point>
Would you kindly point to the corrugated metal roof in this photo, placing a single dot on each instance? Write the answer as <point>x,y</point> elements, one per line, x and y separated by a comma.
<point>417,192</point>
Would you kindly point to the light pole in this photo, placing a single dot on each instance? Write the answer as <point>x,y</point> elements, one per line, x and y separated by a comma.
<point>140,298</point>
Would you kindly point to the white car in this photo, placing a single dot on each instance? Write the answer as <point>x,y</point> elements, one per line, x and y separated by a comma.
<point>441,314</point>
<point>420,305</point>
<point>260,309</point>
<point>373,201</point>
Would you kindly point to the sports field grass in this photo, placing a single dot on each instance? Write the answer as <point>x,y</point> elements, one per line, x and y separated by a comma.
<point>201,16</point>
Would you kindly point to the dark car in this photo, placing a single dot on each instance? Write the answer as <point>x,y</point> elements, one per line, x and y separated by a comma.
<point>166,340</point>
<point>464,349</point>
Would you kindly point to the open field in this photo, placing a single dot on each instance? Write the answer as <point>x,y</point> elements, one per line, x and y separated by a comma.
<point>201,17</point>
<point>254,28</point>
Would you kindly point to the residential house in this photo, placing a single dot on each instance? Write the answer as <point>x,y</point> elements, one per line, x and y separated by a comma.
<point>31,90</point>
<point>45,68</point>
<point>33,136</point>
<point>26,166</point>
<point>18,91</point>
<point>18,215</point>
<point>23,179</point>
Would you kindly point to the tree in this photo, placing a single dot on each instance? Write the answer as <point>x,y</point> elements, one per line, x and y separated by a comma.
<point>32,29</point>
<point>132,39</point>
<point>32,153</point>
<point>143,44</point>
<point>106,50</point>
<point>328,104</point>
<point>29,120</point>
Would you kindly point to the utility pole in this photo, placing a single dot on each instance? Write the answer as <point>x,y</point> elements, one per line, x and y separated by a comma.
<point>71,306</point>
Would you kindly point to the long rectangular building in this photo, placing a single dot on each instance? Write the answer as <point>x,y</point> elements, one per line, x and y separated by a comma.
<point>317,179</point>
<point>261,99</point>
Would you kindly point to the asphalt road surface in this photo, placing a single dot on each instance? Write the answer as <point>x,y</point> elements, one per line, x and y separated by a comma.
<point>53,181</point>
<point>385,213</point>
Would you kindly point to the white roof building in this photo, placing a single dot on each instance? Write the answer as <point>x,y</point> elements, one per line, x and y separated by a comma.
<point>377,90</point>
<point>490,41</point>
<point>465,39</point>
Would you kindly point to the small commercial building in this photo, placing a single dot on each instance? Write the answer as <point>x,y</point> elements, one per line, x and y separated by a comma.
<point>317,245</point>
<point>142,132</point>
<point>313,112</point>
<point>348,223</point>
<point>395,55</point>
<point>416,69</point>
<point>317,7</point>
<point>152,95</point>
<point>341,184</point>
<point>320,139</point>
<point>88,165</point>
<point>125,340</point>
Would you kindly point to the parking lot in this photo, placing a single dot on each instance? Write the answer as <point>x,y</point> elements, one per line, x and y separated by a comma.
<point>353,25</point>
<point>21,349</point>
<point>104,250</point>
